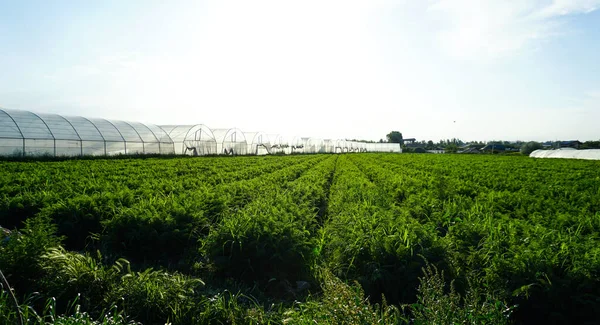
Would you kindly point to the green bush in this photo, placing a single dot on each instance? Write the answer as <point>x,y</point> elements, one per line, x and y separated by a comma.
<point>530,147</point>
<point>439,303</point>
<point>157,297</point>
<point>340,303</point>
<point>21,253</point>
<point>72,274</point>
<point>260,248</point>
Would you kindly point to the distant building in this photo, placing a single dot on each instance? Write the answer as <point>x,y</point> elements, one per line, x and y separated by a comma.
<point>570,144</point>
<point>547,145</point>
<point>494,148</point>
<point>409,141</point>
<point>469,150</point>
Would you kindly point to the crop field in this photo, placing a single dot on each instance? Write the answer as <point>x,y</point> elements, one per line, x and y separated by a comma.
<point>304,239</point>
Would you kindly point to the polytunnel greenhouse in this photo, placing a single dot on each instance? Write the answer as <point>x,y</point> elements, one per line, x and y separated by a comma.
<point>314,145</point>
<point>355,146</point>
<point>341,146</point>
<point>231,141</point>
<point>297,145</point>
<point>24,133</point>
<point>383,147</point>
<point>258,143</point>
<point>278,144</point>
<point>329,146</point>
<point>569,153</point>
<point>192,139</point>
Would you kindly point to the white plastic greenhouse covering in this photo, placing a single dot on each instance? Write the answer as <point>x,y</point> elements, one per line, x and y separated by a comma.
<point>231,141</point>
<point>278,144</point>
<point>341,146</point>
<point>383,147</point>
<point>258,143</point>
<point>590,154</point>
<point>26,133</point>
<point>314,145</point>
<point>192,139</point>
<point>328,146</point>
<point>297,145</point>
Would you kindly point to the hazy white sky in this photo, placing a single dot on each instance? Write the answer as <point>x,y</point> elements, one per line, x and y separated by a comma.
<point>470,69</point>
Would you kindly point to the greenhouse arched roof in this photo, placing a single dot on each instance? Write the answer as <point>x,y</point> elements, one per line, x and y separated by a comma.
<point>197,139</point>
<point>28,133</point>
<point>231,141</point>
<point>25,133</point>
<point>589,154</point>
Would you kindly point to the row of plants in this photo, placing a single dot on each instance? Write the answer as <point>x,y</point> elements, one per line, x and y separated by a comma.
<point>527,246</point>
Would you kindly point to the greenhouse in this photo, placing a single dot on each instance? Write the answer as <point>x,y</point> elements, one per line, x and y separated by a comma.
<point>341,146</point>
<point>278,144</point>
<point>258,143</point>
<point>569,153</point>
<point>192,139</point>
<point>231,141</point>
<point>314,145</point>
<point>329,146</point>
<point>24,133</point>
<point>297,145</point>
<point>355,146</point>
<point>383,147</point>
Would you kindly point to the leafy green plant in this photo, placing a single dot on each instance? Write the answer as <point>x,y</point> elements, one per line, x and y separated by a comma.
<point>341,303</point>
<point>21,251</point>
<point>439,303</point>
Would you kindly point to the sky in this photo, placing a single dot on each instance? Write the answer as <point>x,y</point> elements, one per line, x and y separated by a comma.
<point>477,70</point>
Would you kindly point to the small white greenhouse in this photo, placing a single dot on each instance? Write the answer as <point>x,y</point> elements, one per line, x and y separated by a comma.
<point>328,146</point>
<point>192,140</point>
<point>258,143</point>
<point>231,141</point>
<point>589,154</point>
<point>297,145</point>
<point>278,144</point>
<point>314,145</point>
<point>341,146</point>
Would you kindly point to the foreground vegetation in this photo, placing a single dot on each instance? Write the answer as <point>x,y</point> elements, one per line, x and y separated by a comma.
<point>326,239</point>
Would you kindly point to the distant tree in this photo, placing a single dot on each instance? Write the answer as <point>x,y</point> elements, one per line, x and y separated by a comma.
<point>359,140</point>
<point>529,147</point>
<point>430,145</point>
<point>394,137</point>
<point>590,145</point>
<point>451,148</point>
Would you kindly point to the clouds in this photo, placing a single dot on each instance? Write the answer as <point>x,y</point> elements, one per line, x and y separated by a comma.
<point>492,29</point>
<point>567,7</point>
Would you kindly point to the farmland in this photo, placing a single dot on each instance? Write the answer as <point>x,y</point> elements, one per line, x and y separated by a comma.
<point>304,239</point>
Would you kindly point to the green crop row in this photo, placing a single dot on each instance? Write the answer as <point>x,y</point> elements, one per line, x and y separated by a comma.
<point>526,244</point>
